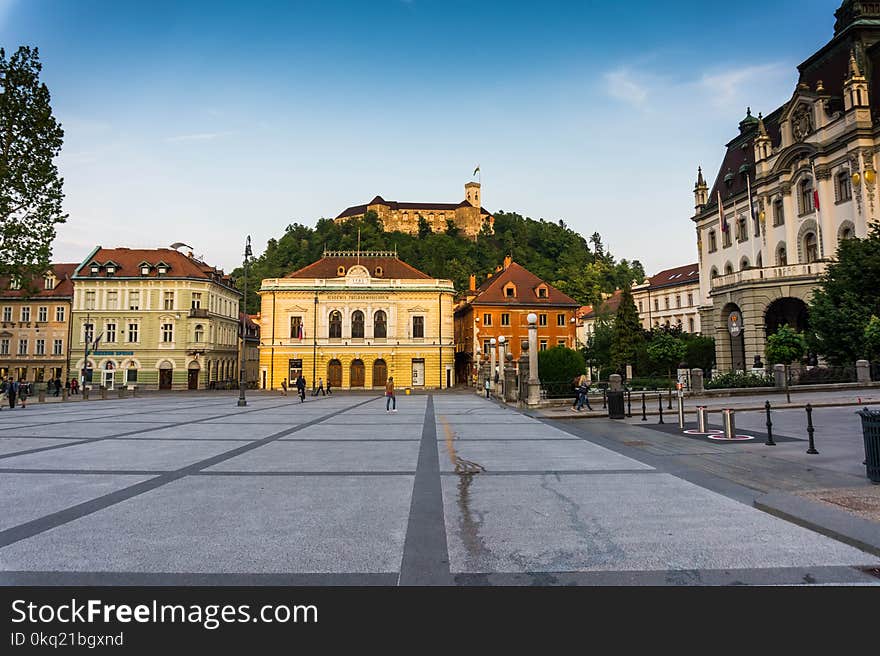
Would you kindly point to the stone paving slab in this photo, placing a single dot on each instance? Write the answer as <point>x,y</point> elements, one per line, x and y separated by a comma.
<point>276,524</point>
<point>15,444</point>
<point>464,431</point>
<point>87,429</point>
<point>120,455</point>
<point>619,522</point>
<point>293,456</point>
<point>25,497</point>
<point>325,431</point>
<point>202,431</point>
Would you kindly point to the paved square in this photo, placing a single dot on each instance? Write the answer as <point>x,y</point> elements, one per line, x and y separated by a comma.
<point>191,489</point>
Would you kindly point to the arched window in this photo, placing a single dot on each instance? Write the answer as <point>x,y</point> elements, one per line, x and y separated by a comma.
<point>805,197</point>
<point>781,255</point>
<point>200,333</point>
<point>846,233</point>
<point>744,264</point>
<point>728,268</point>
<point>357,324</point>
<point>378,272</point>
<point>380,325</point>
<point>340,271</point>
<point>759,262</point>
<point>335,325</point>
<point>714,273</point>
<point>811,247</point>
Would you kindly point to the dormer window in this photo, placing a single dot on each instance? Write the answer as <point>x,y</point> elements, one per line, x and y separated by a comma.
<point>510,291</point>
<point>95,268</point>
<point>15,282</point>
<point>378,272</point>
<point>542,292</point>
<point>49,282</point>
<point>161,268</point>
<point>145,269</point>
<point>110,269</point>
<point>340,271</point>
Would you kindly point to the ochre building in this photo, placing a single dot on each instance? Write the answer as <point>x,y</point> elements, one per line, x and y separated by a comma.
<point>353,319</point>
<point>468,215</point>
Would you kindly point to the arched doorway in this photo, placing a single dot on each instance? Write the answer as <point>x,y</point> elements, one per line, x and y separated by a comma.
<point>733,322</point>
<point>380,373</point>
<point>166,374</point>
<point>356,373</point>
<point>334,373</point>
<point>108,375</point>
<point>788,311</point>
<point>192,379</point>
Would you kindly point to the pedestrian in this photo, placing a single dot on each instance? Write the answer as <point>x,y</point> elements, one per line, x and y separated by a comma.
<point>320,387</point>
<point>390,400</point>
<point>575,385</point>
<point>58,386</point>
<point>23,390</point>
<point>284,387</point>
<point>487,386</point>
<point>4,386</point>
<point>13,393</point>
<point>74,386</point>
<point>329,392</point>
<point>583,393</point>
<point>301,386</point>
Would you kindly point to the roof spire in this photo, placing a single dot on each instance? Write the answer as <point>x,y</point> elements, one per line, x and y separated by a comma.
<point>853,65</point>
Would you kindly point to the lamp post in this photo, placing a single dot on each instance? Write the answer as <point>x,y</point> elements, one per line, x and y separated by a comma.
<point>502,351</point>
<point>242,401</point>
<point>534,384</point>
<point>315,346</point>
<point>492,343</point>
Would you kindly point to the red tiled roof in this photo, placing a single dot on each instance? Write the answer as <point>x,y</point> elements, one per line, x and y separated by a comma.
<point>128,262</point>
<point>392,268</point>
<point>608,306</point>
<point>63,285</point>
<point>682,275</point>
<point>526,282</point>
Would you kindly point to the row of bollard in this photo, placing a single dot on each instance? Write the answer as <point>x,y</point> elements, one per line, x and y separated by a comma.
<point>121,393</point>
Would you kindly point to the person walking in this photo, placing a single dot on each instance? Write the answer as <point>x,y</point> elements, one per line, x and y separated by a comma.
<point>13,393</point>
<point>23,390</point>
<point>284,387</point>
<point>301,386</point>
<point>58,386</point>
<point>320,388</point>
<point>4,391</point>
<point>583,394</point>
<point>487,385</point>
<point>329,392</point>
<point>390,400</point>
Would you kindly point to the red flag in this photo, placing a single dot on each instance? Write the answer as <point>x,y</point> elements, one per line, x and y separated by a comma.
<point>816,199</point>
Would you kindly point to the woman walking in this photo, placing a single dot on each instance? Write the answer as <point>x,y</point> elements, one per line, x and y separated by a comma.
<point>390,400</point>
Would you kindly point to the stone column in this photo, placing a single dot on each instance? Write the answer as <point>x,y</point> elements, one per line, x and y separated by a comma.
<point>779,376</point>
<point>863,371</point>
<point>522,388</point>
<point>534,383</point>
<point>509,379</point>
<point>614,381</point>
<point>697,381</point>
<point>492,366</point>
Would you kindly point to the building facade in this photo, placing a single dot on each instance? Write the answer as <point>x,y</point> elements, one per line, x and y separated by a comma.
<point>353,319</point>
<point>791,187</point>
<point>35,326</point>
<point>469,216</point>
<point>671,298</point>
<point>154,318</point>
<point>499,307</point>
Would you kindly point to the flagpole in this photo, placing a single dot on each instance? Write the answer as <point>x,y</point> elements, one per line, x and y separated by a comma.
<point>818,210</point>
<point>752,219</point>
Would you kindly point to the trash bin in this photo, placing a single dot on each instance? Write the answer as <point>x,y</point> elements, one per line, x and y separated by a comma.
<point>871,433</point>
<point>616,408</point>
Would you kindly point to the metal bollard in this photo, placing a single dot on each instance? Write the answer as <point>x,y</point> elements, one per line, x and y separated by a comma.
<point>769,441</point>
<point>729,423</point>
<point>660,399</point>
<point>629,407</point>
<point>604,397</point>
<point>702,418</point>
<point>644,408</point>
<point>681,412</point>
<point>810,430</point>
<point>669,407</point>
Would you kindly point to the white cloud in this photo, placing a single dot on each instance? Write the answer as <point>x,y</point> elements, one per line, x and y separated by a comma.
<point>199,136</point>
<point>621,85</point>
<point>727,87</point>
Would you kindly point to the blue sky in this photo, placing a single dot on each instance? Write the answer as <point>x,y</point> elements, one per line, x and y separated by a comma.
<point>202,122</point>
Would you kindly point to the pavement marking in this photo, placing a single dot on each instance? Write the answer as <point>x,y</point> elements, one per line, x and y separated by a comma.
<point>425,555</point>
<point>37,526</point>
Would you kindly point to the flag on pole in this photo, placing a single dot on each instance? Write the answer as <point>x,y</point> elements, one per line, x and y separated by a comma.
<point>721,213</point>
<point>301,331</point>
<point>753,208</point>
<point>818,211</point>
<point>477,170</point>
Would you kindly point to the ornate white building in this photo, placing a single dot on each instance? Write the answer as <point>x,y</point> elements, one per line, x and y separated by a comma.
<point>792,185</point>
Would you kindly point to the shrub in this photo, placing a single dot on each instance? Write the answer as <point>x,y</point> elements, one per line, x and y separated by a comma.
<point>560,364</point>
<point>733,379</point>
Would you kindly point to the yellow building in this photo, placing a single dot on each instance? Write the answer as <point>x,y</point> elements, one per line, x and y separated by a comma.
<point>353,319</point>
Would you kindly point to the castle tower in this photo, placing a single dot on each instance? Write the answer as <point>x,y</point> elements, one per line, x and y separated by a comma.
<point>855,88</point>
<point>472,194</point>
<point>763,145</point>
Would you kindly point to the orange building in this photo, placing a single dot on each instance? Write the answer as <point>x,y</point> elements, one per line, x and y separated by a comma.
<point>499,307</point>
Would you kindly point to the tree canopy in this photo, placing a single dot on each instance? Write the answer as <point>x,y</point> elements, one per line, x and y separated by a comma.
<point>30,188</point>
<point>551,251</point>
<point>628,333</point>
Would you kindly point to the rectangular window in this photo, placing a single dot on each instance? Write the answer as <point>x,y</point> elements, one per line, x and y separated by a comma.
<point>560,320</point>
<point>713,242</point>
<point>690,299</point>
<point>41,347</point>
<point>640,307</point>
<point>418,327</point>
<point>22,347</point>
<point>656,305</point>
<point>196,300</point>
<point>487,319</point>
<point>4,346</point>
<point>296,328</point>
<point>59,313</point>
<point>134,300</point>
<point>88,332</point>
<point>543,345</point>
<point>42,313</point>
<point>542,319</point>
<point>691,325</point>
<point>57,347</point>
<point>132,332</point>
<point>131,375</point>
<point>167,333</point>
<point>666,300</point>
<point>7,313</point>
<point>111,332</point>
<point>560,342</point>
<point>778,213</point>
<point>90,300</point>
<point>26,313</point>
<point>677,301</point>
<point>486,346</point>
<point>842,189</point>
<point>112,300</point>
<point>169,301</point>
<point>725,238</point>
<point>505,319</point>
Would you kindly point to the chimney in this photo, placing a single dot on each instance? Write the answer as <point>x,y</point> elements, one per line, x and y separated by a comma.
<point>498,268</point>
<point>472,285</point>
<point>507,260</point>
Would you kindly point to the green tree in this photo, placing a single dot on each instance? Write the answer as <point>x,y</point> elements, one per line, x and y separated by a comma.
<point>30,188</point>
<point>451,229</point>
<point>699,351</point>
<point>785,346</point>
<point>424,227</point>
<point>847,297</point>
<point>872,339</point>
<point>667,351</point>
<point>597,352</point>
<point>628,334</point>
<point>560,364</point>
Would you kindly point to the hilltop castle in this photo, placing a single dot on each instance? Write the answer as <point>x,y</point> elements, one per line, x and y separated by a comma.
<point>468,215</point>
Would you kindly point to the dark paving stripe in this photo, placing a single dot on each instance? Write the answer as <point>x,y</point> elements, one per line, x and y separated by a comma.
<point>183,579</point>
<point>557,472</point>
<point>769,576</point>
<point>425,553</point>
<point>102,472</point>
<point>306,473</point>
<point>29,529</point>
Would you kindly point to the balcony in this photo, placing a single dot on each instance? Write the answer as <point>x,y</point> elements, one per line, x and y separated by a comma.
<point>779,274</point>
<point>198,313</point>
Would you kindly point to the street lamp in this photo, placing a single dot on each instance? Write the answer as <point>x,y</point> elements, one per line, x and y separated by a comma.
<point>242,401</point>
<point>315,346</point>
<point>492,343</point>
